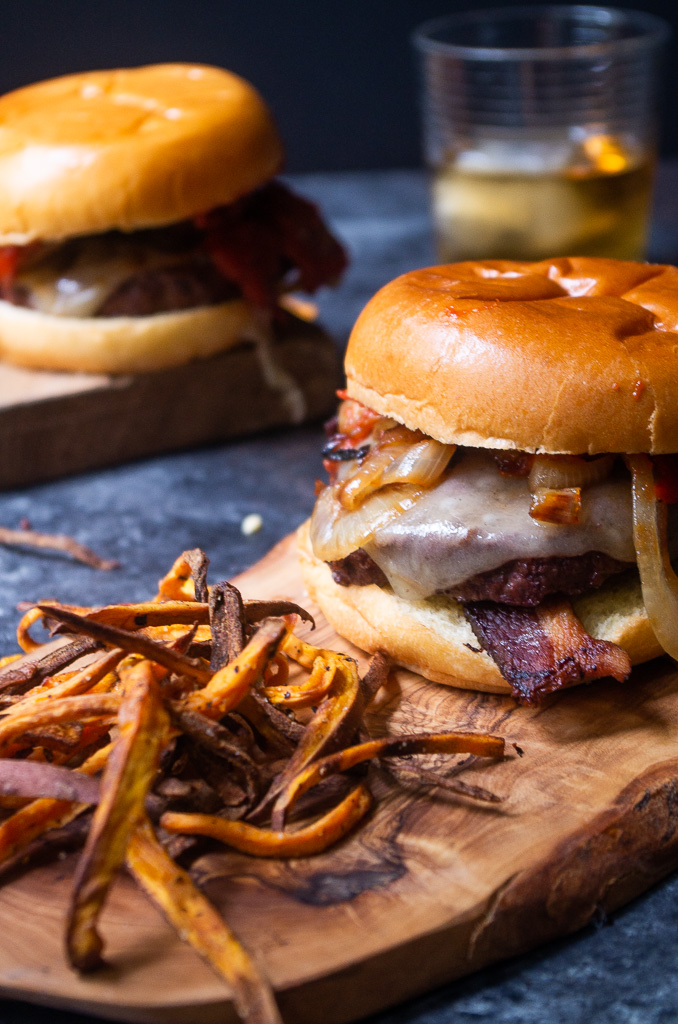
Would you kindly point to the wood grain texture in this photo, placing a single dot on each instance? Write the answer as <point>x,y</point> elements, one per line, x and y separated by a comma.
<point>430,888</point>
<point>53,424</point>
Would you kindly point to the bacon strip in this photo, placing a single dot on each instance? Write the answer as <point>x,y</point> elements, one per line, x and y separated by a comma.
<point>543,649</point>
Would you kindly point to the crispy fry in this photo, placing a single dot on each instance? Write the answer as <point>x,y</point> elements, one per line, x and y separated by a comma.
<point>198,923</point>
<point>391,746</point>
<point>179,584</point>
<point>176,611</point>
<point>264,842</point>
<point>375,677</point>
<point>70,709</point>
<point>99,671</point>
<point>277,671</point>
<point>256,611</point>
<point>335,722</point>
<point>55,542</point>
<point>217,740</point>
<point>29,670</point>
<point>227,622</point>
<point>167,635</point>
<point>230,684</point>
<point>34,779</point>
<point>305,694</point>
<point>23,636</point>
<point>148,613</point>
<point>27,824</point>
<point>280,732</point>
<point>303,653</point>
<point>133,642</point>
<point>143,730</point>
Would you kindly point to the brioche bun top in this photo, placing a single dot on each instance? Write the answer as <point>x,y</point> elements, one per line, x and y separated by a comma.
<point>574,355</point>
<point>129,149</point>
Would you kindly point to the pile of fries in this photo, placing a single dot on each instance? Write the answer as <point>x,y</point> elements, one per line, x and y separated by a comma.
<point>130,714</point>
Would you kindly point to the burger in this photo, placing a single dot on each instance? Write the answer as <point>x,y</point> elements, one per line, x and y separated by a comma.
<point>140,225</point>
<point>502,475</point>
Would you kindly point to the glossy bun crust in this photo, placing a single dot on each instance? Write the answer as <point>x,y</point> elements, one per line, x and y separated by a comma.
<point>566,355</point>
<point>129,149</point>
<point>120,344</point>
<point>433,637</point>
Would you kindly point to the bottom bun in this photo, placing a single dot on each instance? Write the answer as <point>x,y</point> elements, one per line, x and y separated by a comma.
<point>434,638</point>
<point>120,344</point>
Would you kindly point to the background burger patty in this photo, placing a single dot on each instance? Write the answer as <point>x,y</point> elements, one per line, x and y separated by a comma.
<point>15,293</point>
<point>524,582</point>
<point>165,289</point>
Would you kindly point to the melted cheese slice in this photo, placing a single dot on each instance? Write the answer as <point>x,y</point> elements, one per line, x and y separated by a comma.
<point>477,520</point>
<point>99,267</point>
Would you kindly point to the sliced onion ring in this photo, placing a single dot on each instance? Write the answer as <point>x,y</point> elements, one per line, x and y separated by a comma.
<point>658,581</point>
<point>556,472</point>
<point>400,457</point>
<point>336,532</point>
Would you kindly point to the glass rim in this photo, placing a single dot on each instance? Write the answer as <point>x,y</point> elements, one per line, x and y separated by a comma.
<point>654,31</point>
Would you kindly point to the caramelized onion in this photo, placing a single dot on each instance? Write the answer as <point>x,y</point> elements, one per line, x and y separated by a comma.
<point>556,472</point>
<point>336,531</point>
<point>399,456</point>
<point>562,508</point>
<point>658,580</point>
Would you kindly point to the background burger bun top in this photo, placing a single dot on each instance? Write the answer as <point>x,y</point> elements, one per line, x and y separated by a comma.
<point>129,149</point>
<point>562,356</point>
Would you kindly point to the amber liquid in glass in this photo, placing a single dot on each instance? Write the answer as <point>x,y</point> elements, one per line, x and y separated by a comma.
<point>597,205</point>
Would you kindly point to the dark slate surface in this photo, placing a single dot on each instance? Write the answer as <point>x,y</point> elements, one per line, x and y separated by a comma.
<point>146,513</point>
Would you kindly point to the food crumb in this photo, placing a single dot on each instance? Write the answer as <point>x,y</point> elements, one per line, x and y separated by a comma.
<point>251,524</point>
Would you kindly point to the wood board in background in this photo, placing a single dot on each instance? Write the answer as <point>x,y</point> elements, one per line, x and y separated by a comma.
<point>429,888</point>
<point>53,424</point>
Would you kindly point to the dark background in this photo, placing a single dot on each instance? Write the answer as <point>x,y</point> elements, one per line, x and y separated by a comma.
<point>339,74</point>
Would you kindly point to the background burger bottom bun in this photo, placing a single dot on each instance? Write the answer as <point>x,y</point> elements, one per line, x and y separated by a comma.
<point>429,636</point>
<point>135,344</point>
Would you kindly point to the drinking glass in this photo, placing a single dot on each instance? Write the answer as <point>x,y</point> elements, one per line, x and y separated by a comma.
<point>540,130</point>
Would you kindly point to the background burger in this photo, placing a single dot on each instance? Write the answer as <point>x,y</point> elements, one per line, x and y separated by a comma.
<point>139,226</point>
<point>501,472</point>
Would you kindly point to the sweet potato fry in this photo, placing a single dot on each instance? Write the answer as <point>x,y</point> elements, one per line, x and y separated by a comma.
<point>278,730</point>
<point>227,622</point>
<point>375,677</point>
<point>148,613</point>
<point>311,692</point>
<point>27,824</point>
<point>218,741</point>
<point>264,842</point>
<point>79,682</point>
<point>334,723</point>
<point>398,746</point>
<point>30,669</point>
<point>111,636</point>
<point>198,923</point>
<point>256,611</point>
<point>55,542</point>
<point>143,731</point>
<point>186,579</point>
<point>23,635</point>
<point>36,779</point>
<point>230,684</point>
<point>70,709</point>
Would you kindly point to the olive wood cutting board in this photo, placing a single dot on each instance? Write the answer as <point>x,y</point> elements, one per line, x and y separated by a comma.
<point>429,888</point>
<point>53,424</point>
